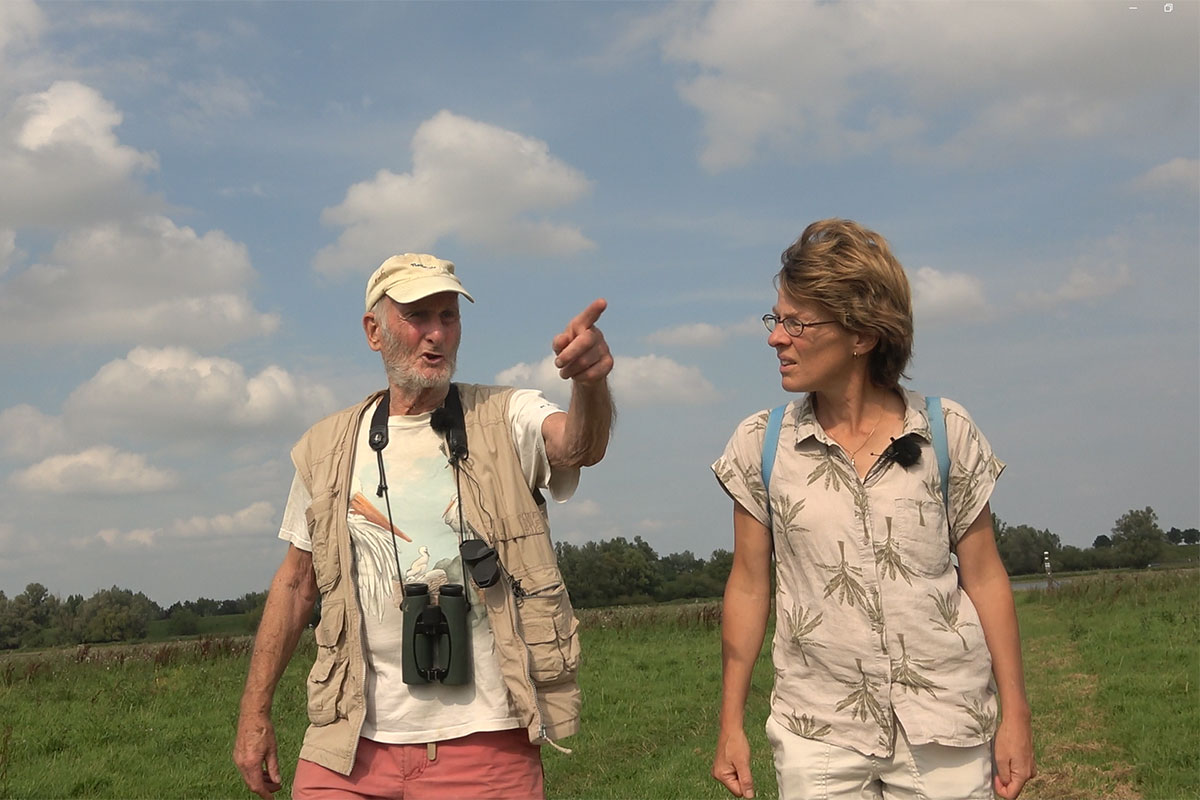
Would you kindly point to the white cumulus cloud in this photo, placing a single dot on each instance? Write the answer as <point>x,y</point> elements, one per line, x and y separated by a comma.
<point>947,297</point>
<point>175,389</point>
<point>578,510</point>
<point>146,278</point>
<point>941,80</point>
<point>256,518</point>
<point>27,432</point>
<point>98,470</point>
<point>61,162</point>
<point>138,537</point>
<point>1081,284</point>
<point>1178,174</point>
<point>655,380</point>
<point>21,21</point>
<point>635,381</point>
<point>253,519</point>
<point>542,376</point>
<point>704,334</point>
<point>478,182</point>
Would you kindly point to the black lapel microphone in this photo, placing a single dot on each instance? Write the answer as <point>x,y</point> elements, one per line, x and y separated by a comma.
<point>905,451</point>
<point>449,421</point>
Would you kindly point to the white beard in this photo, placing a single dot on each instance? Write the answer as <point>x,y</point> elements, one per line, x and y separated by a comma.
<point>408,379</point>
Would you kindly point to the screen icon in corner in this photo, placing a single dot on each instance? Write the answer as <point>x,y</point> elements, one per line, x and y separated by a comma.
<point>1168,7</point>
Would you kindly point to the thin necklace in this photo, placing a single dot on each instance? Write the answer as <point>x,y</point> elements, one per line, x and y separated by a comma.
<point>864,442</point>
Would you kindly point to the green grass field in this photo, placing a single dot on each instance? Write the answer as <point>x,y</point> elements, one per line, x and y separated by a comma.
<point>1113,673</point>
<point>1112,666</point>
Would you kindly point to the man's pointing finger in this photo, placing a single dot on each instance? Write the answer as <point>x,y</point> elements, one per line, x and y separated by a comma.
<point>588,317</point>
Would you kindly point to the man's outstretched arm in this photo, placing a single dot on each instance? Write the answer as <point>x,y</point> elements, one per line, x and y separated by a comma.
<point>289,607</point>
<point>579,438</point>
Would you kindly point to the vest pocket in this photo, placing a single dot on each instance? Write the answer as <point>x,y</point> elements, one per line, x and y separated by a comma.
<point>326,560</point>
<point>550,631</point>
<point>327,678</point>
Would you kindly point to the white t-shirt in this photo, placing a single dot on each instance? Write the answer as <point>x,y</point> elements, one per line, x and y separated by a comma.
<point>424,514</point>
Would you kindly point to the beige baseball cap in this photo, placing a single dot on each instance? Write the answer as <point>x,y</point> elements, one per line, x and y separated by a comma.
<point>410,277</point>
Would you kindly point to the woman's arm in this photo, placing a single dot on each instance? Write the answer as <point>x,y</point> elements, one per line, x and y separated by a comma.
<point>985,581</point>
<point>743,625</point>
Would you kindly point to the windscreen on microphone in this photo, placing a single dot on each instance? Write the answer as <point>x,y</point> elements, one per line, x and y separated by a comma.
<point>905,451</point>
<point>440,420</point>
<point>448,421</point>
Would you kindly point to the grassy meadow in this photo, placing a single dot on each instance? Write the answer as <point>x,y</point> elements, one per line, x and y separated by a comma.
<point>1112,664</point>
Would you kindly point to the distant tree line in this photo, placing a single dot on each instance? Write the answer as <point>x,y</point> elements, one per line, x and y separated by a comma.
<point>1136,541</point>
<point>623,572</point>
<point>35,618</point>
<point>620,572</point>
<point>605,573</point>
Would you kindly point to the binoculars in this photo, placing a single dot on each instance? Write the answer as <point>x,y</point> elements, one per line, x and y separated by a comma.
<point>437,644</point>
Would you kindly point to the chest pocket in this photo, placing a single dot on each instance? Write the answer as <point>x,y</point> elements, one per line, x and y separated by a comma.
<point>922,536</point>
<point>326,558</point>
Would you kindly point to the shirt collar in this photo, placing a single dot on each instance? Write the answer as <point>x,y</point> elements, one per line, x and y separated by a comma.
<point>804,418</point>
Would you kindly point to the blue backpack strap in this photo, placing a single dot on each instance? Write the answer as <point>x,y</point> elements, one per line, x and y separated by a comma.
<point>937,434</point>
<point>770,443</point>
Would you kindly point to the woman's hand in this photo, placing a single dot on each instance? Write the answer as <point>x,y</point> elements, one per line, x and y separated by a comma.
<point>731,765</point>
<point>1014,755</point>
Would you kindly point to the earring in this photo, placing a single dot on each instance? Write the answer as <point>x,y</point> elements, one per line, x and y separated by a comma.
<point>856,354</point>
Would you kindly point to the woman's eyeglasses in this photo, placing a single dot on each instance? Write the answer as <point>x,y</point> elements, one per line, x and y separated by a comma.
<point>791,325</point>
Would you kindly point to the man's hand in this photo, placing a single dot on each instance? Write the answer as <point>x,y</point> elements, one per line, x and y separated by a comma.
<point>731,766</point>
<point>257,756</point>
<point>1014,756</point>
<point>579,437</point>
<point>582,354</point>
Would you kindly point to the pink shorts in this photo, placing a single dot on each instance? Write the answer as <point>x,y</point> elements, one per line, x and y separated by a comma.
<point>482,766</point>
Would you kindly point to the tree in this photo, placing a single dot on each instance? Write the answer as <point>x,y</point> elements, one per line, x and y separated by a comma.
<point>1073,559</point>
<point>685,576</point>
<point>183,622</point>
<point>1101,542</point>
<point>1137,537</point>
<point>1022,547</point>
<point>1191,536</point>
<point>204,606</point>
<point>115,615</point>
<point>250,601</point>
<point>719,566</point>
<point>1175,536</point>
<point>254,616</point>
<point>9,635</point>
<point>611,572</point>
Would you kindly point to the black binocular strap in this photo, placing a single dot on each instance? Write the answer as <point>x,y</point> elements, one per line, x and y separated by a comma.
<point>448,420</point>
<point>377,438</point>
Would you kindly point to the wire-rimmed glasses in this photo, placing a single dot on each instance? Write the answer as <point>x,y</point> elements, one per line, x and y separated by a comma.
<point>791,325</point>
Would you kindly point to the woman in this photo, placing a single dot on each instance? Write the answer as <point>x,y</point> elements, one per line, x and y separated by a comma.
<point>884,654</point>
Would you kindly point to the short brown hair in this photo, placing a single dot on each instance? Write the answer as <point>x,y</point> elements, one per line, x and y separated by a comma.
<point>851,271</point>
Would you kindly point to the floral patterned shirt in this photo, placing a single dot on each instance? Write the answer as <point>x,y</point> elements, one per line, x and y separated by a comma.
<point>871,624</point>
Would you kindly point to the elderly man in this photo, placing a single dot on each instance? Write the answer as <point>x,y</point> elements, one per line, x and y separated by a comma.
<point>447,648</point>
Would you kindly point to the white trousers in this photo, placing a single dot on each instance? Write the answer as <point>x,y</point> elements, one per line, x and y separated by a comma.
<point>808,769</point>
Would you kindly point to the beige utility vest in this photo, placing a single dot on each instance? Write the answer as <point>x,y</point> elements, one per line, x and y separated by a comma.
<point>529,611</point>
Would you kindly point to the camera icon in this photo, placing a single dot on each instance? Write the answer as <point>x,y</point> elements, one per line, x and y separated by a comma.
<point>1168,7</point>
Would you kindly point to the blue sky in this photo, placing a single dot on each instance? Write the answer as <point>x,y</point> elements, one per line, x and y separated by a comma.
<point>193,194</point>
